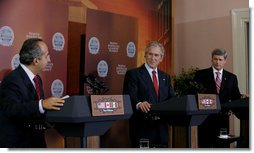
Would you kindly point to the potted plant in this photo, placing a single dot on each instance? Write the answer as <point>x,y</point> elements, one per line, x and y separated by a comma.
<point>183,82</point>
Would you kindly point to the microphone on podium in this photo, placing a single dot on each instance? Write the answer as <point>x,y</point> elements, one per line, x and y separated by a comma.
<point>95,84</point>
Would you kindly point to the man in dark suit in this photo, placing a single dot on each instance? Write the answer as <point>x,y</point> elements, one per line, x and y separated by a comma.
<point>145,90</point>
<point>22,102</point>
<point>226,86</point>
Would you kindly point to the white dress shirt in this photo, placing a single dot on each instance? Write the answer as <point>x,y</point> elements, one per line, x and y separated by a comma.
<point>31,77</point>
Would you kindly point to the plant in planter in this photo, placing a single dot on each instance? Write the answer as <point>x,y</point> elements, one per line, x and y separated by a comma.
<point>183,82</point>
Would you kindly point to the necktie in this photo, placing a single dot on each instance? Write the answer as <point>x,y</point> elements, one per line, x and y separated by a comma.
<point>218,81</point>
<point>155,83</point>
<point>37,86</point>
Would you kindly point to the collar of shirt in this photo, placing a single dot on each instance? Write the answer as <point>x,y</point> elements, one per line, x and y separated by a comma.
<point>29,73</point>
<point>150,71</point>
<point>214,73</point>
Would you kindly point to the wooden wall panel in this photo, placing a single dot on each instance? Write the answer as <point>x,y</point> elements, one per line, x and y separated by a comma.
<point>73,61</point>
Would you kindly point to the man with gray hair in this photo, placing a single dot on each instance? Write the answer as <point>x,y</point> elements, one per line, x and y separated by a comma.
<point>147,85</point>
<point>22,102</point>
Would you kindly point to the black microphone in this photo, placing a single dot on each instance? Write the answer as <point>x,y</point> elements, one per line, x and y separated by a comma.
<point>90,79</point>
<point>197,86</point>
<point>95,84</point>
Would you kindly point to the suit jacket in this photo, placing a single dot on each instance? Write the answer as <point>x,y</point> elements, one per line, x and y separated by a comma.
<point>139,85</point>
<point>19,106</point>
<point>209,129</point>
<point>229,85</point>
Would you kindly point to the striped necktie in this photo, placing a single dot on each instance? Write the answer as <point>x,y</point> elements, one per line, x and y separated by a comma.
<point>218,81</point>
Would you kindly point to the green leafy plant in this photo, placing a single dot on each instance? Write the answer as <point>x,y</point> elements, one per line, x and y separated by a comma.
<point>182,81</point>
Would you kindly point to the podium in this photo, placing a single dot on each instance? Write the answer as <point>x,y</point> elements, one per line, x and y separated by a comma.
<point>240,108</point>
<point>184,111</point>
<point>75,118</point>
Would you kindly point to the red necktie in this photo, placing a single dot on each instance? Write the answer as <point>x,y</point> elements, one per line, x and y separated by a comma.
<point>155,83</point>
<point>218,81</point>
<point>37,86</point>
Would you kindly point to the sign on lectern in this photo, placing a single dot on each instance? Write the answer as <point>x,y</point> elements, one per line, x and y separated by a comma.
<point>107,105</point>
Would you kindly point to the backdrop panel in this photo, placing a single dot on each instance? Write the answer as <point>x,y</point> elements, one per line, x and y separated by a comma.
<point>111,42</point>
<point>46,19</point>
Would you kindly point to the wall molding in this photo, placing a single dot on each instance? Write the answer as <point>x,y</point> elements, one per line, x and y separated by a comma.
<point>240,19</point>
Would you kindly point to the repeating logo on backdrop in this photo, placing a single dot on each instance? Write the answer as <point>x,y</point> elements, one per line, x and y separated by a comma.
<point>57,88</point>
<point>15,61</point>
<point>131,49</point>
<point>58,41</point>
<point>6,36</point>
<point>102,68</point>
<point>94,45</point>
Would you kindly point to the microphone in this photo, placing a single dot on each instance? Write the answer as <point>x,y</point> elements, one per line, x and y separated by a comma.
<point>90,79</point>
<point>197,86</point>
<point>95,84</point>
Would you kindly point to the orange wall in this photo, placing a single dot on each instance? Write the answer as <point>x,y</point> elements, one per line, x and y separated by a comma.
<point>201,26</point>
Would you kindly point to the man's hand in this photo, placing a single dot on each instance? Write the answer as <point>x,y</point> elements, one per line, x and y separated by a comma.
<point>53,103</point>
<point>144,106</point>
